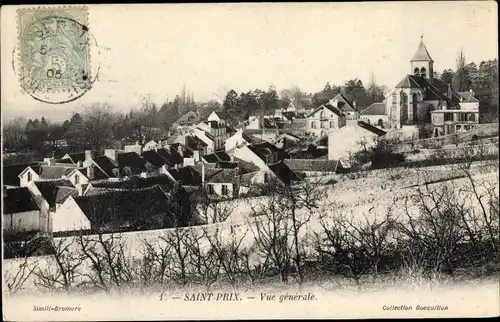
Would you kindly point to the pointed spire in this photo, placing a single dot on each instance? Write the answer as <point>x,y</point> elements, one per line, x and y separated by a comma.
<point>421,54</point>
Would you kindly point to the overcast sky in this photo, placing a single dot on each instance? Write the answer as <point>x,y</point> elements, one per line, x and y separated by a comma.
<point>155,49</point>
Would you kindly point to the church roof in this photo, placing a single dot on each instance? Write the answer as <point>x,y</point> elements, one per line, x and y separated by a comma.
<point>431,93</point>
<point>421,54</point>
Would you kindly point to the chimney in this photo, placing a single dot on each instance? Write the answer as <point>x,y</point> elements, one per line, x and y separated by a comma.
<point>196,156</point>
<point>203,174</point>
<point>89,155</point>
<point>179,149</point>
<point>90,172</point>
<point>80,189</point>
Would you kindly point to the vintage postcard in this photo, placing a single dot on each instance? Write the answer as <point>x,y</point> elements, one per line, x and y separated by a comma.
<point>250,161</point>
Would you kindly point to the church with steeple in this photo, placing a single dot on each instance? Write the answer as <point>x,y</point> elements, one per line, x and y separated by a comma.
<point>419,93</point>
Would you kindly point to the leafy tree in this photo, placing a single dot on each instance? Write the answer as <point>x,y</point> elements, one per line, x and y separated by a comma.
<point>447,76</point>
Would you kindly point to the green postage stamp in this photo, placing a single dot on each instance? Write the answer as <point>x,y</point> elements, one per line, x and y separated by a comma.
<point>54,52</point>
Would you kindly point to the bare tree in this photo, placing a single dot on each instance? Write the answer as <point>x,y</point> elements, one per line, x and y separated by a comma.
<point>211,210</point>
<point>204,262</point>
<point>111,268</point>
<point>353,248</point>
<point>271,230</point>
<point>24,269</point>
<point>156,262</point>
<point>67,269</point>
<point>228,252</point>
<point>432,231</point>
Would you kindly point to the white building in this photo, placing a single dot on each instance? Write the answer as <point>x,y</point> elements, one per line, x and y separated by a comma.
<point>324,119</point>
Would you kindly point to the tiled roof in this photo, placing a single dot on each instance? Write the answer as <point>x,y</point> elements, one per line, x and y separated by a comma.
<point>374,109</point>
<point>226,164</point>
<point>164,181</point>
<point>467,97</point>
<point>413,81</point>
<point>186,175</point>
<point>56,192</point>
<point>347,105</point>
<point>284,173</point>
<point>67,160</point>
<point>329,107</point>
<point>55,171</point>
<point>142,208</point>
<point>190,117</point>
<point>10,173</point>
<point>221,175</point>
<point>217,157</point>
<point>132,160</point>
<point>154,158</point>
<point>170,155</point>
<point>78,156</point>
<point>311,165</point>
<point>195,143</point>
<point>421,54</point>
<point>174,138</point>
<point>17,200</point>
<point>106,164</point>
<point>371,128</point>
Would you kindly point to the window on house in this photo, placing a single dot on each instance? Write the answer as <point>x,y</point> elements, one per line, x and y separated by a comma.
<point>225,190</point>
<point>471,117</point>
<point>467,127</point>
<point>323,125</point>
<point>77,179</point>
<point>313,125</point>
<point>322,115</point>
<point>448,117</point>
<point>458,127</point>
<point>266,178</point>
<point>210,189</point>
<point>30,176</point>
<point>462,117</point>
<point>416,71</point>
<point>332,124</point>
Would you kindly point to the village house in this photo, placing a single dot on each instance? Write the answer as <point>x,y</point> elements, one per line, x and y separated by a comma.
<point>349,109</point>
<point>139,209</point>
<point>214,131</point>
<point>286,140</point>
<point>468,101</point>
<point>324,119</point>
<point>375,114</point>
<point>347,141</point>
<point>20,211</point>
<point>453,121</point>
<point>48,170</point>
<point>220,182</point>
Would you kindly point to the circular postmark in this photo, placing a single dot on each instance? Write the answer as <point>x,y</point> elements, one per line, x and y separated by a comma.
<point>54,52</point>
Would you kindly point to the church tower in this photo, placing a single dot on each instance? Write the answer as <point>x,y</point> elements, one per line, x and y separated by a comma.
<point>422,63</point>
